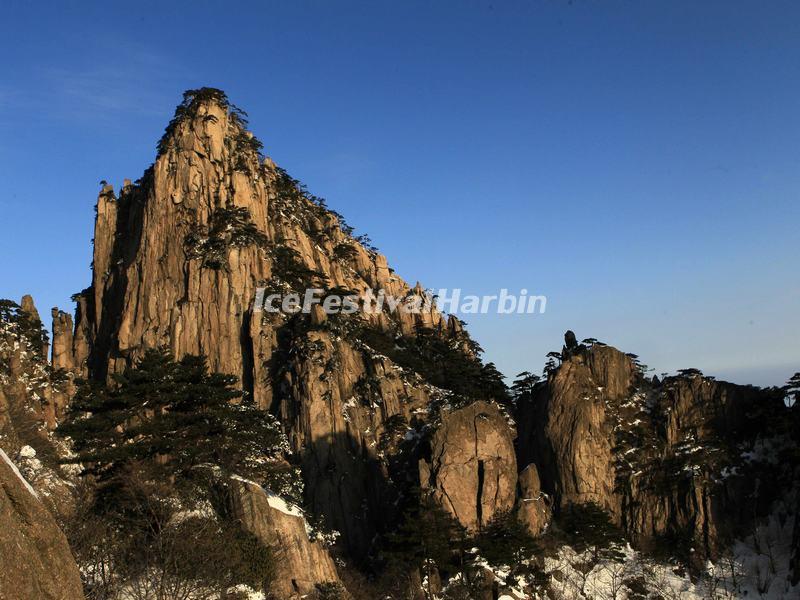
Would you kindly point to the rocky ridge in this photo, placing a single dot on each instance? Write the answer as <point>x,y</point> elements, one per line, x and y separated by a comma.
<point>687,459</point>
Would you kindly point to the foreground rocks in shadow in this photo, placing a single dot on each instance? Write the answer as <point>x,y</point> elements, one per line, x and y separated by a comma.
<point>37,562</point>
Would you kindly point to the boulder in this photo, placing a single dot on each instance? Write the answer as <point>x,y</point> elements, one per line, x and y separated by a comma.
<point>300,563</point>
<point>37,561</point>
<point>473,468</point>
<point>534,505</point>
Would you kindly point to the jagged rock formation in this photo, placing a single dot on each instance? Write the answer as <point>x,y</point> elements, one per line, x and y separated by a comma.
<point>168,270</point>
<point>37,562</point>
<point>178,258</point>
<point>473,468</point>
<point>664,458</point>
<point>301,564</point>
<point>63,356</point>
<point>28,307</point>
<point>26,384</point>
<point>567,432</point>
<point>534,505</point>
<point>33,396</point>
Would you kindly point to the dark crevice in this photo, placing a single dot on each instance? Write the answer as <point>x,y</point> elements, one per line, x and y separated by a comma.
<point>479,505</point>
<point>247,355</point>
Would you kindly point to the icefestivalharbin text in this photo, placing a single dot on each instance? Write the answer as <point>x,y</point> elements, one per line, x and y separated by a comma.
<point>372,302</point>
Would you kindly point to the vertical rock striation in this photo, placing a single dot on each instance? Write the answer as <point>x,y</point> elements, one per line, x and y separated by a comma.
<point>473,468</point>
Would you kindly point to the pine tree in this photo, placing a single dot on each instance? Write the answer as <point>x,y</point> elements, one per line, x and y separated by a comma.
<point>587,527</point>
<point>524,384</point>
<point>173,416</point>
<point>792,390</point>
<point>505,541</point>
<point>428,538</point>
<point>492,383</point>
<point>160,442</point>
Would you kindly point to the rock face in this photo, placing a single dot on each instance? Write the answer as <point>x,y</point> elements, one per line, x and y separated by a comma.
<point>566,431</point>
<point>300,563</point>
<point>663,458</point>
<point>63,356</point>
<point>473,468</point>
<point>178,258</point>
<point>704,481</point>
<point>167,271</point>
<point>345,410</point>
<point>37,562</point>
<point>534,505</point>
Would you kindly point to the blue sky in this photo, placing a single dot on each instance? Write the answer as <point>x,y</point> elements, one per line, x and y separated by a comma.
<point>636,162</point>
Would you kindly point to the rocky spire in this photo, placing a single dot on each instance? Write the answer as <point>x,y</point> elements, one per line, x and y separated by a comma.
<point>178,258</point>
<point>63,354</point>
<point>29,308</point>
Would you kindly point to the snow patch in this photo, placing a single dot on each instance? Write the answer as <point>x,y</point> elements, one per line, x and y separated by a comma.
<point>14,468</point>
<point>274,500</point>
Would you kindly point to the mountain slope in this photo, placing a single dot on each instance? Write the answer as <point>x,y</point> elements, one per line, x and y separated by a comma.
<point>178,258</point>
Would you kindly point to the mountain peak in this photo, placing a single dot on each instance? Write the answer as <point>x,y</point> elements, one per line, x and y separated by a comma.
<point>208,110</point>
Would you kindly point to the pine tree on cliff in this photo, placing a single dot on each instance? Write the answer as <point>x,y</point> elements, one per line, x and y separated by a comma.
<point>588,528</point>
<point>26,324</point>
<point>492,383</point>
<point>524,383</point>
<point>428,538</point>
<point>172,416</point>
<point>792,390</point>
<point>154,440</point>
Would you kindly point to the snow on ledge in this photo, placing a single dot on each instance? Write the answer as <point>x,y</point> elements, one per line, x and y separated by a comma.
<point>14,468</point>
<point>274,500</point>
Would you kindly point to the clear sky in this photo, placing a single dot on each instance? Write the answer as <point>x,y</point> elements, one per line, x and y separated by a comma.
<point>636,162</point>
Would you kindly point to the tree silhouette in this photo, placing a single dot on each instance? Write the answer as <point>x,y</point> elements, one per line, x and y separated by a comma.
<point>588,528</point>
<point>549,367</point>
<point>505,540</point>
<point>691,372</point>
<point>524,384</point>
<point>792,389</point>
